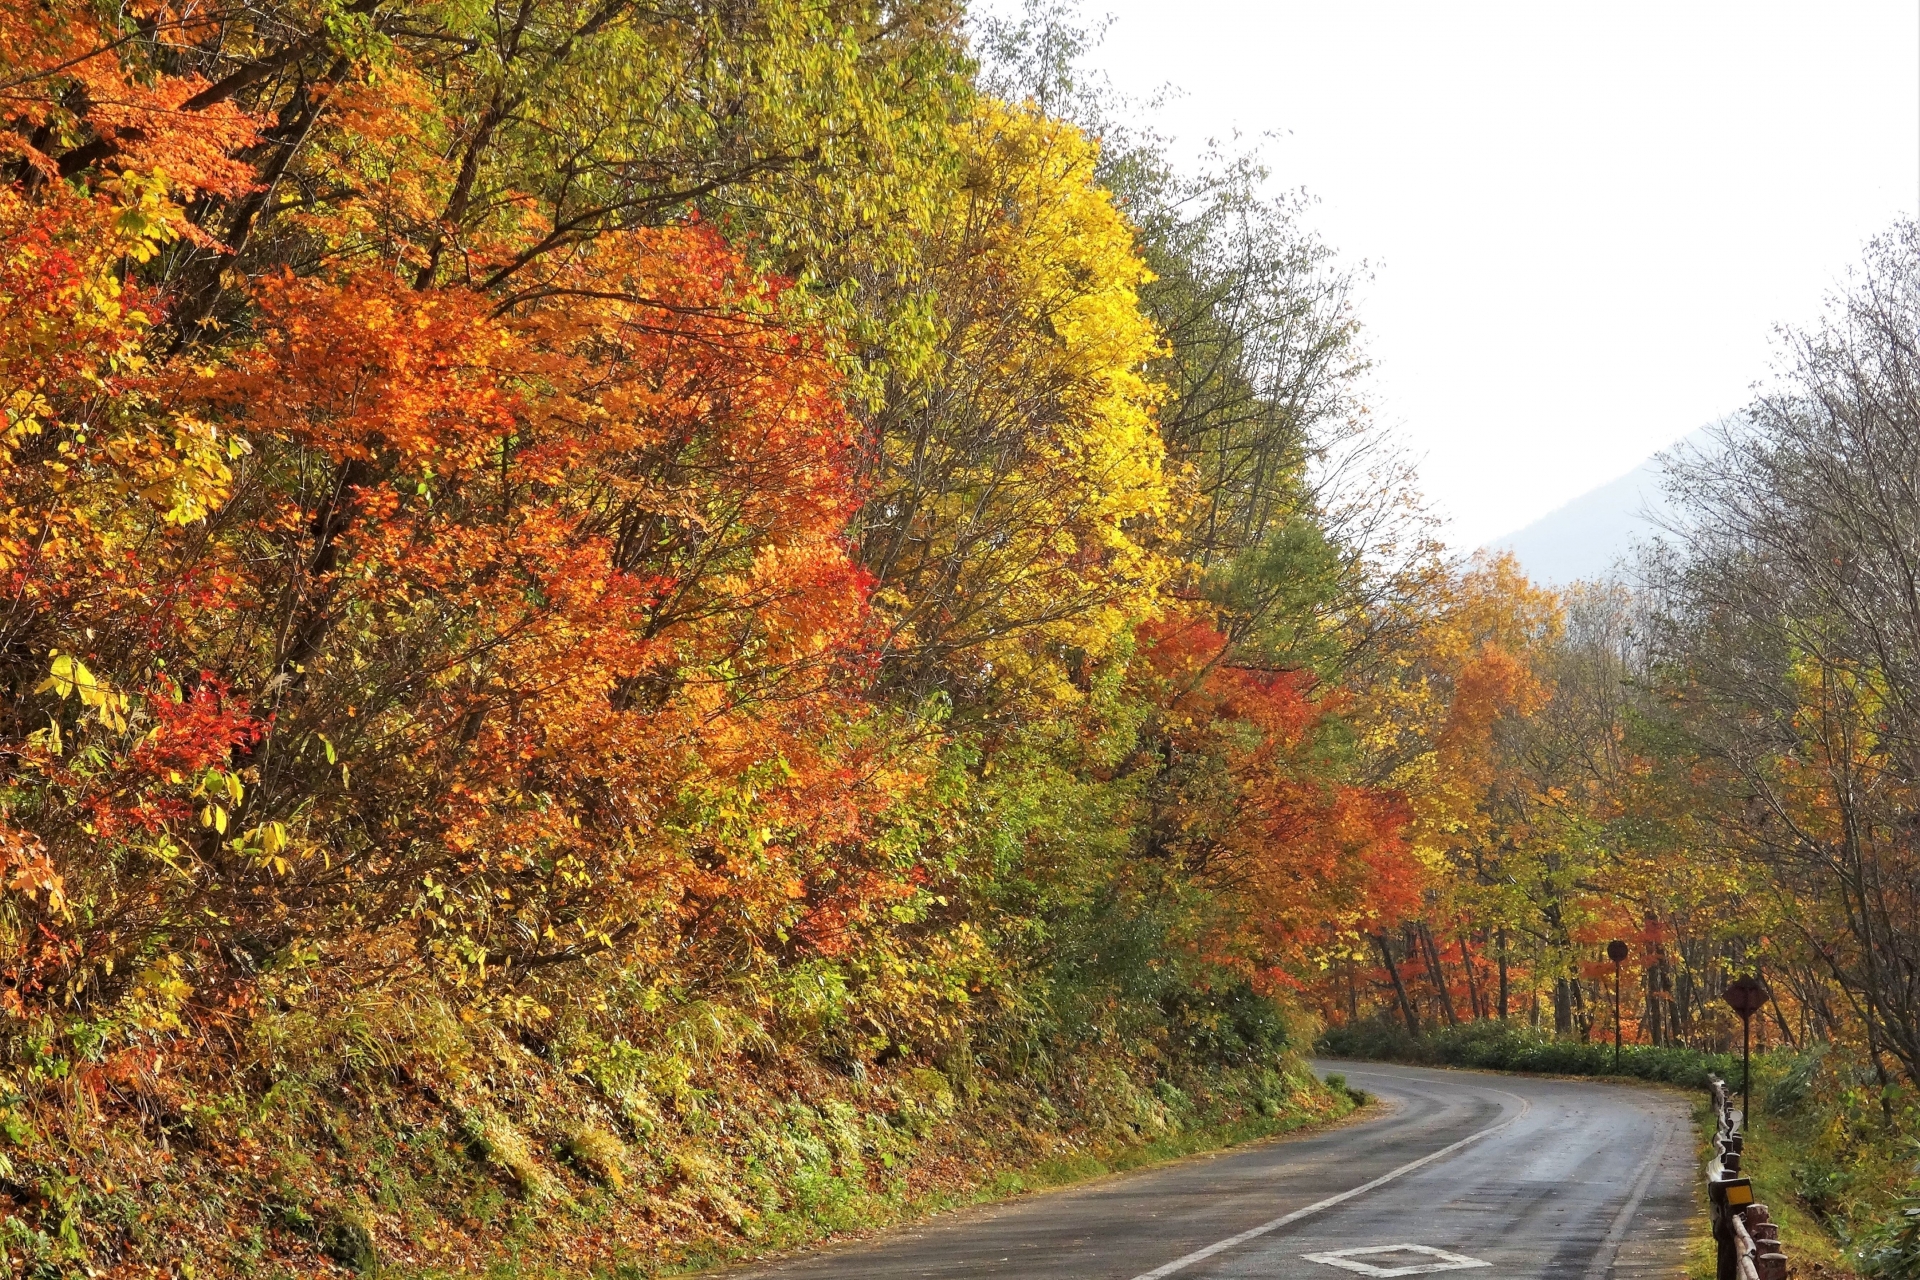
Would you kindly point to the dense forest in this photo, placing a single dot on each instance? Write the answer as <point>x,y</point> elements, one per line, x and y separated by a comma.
<point>632,631</point>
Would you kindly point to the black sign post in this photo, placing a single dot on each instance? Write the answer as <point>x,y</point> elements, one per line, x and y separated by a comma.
<point>1746,995</point>
<point>1616,952</point>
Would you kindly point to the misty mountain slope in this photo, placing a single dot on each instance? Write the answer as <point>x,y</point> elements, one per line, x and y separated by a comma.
<point>1592,536</point>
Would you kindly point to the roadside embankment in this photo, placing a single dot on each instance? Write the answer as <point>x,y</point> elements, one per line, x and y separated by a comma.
<point>427,1146</point>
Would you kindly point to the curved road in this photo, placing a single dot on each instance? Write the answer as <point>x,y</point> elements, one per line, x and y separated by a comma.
<point>1502,1177</point>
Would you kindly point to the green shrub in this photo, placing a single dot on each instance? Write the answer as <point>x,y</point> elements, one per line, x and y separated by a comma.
<point>1500,1046</point>
<point>1821,1187</point>
<point>344,1237</point>
<point>493,1139</point>
<point>597,1153</point>
<point>1893,1250</point>
<point>1794,1088</point>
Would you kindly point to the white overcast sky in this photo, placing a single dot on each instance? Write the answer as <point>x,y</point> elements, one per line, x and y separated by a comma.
<point>1583,220</point>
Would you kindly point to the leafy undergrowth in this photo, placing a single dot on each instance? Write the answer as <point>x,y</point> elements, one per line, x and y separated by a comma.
<point>1834,1147</point>
<point>1777,1152</point>
<point>408,1141</point>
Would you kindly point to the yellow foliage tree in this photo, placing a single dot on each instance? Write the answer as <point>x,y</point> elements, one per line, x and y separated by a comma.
<point>1019,492</point>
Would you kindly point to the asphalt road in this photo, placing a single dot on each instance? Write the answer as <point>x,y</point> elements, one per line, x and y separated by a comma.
<point>1501,1177</point>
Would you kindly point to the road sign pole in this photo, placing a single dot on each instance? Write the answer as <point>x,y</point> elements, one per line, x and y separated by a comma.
<point>1616,952</point>
<point>1745,996</point>
<point>1746,1069</point>
<point>1616,1017</point>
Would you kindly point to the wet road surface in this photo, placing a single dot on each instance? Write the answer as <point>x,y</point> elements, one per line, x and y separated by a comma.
<point>1497,1177</point>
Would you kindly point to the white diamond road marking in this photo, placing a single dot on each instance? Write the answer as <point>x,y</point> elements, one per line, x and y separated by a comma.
<point>1350,1259</point>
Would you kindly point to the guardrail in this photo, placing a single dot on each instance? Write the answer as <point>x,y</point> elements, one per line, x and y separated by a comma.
<point>1746,1240</point>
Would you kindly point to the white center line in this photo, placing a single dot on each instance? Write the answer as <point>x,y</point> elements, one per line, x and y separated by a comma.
<point>1198,1255</point>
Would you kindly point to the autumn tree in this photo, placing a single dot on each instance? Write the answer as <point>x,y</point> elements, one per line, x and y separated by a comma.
<point>1792,635</point>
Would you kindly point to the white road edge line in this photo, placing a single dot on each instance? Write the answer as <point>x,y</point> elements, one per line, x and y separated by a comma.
<point>1610,1247</point>
<point>1200,1255</point>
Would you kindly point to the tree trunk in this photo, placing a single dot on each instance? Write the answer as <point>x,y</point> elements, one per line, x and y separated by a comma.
<point>1880,1071</point>
<point>1656,1008</point>
<point>1473,987</point>
<point>1502,943</point>
<point>1781,1018</point>
<point>1399,987</point>
<point>1438,974</point>
<point>1665,996</point>
<point>1683,999</point>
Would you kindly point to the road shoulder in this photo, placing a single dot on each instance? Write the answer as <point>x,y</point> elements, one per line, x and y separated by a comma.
<point>1035,1182</point>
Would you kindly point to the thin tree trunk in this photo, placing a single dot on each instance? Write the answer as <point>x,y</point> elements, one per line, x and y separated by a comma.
<point>1880,1070</point>
<point>1502,936</point>
<point>1666,997</point>
<point>1438,974</point>
<point>1473,987</point>
<point>1781,1019</point>
<point>1683,999</point>
<point>1399,987</point>
<point>1654,1017</point>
